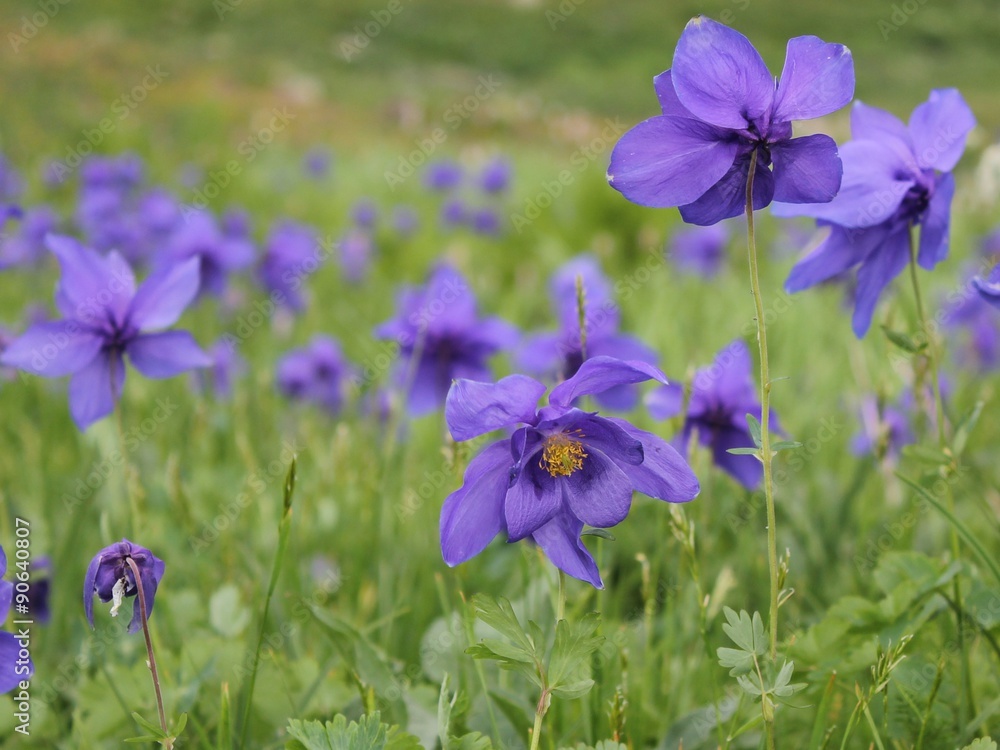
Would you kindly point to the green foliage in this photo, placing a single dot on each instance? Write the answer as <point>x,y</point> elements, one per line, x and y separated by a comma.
<point>748,634</point>
<point>368,733</point>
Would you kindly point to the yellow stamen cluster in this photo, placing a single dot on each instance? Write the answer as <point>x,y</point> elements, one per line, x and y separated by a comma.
<point>562,455</point>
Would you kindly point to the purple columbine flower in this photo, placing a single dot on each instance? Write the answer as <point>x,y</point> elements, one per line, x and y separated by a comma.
<point>699,250</point>
<point>443,175</point>
<point>122,172</point>
<point>106,317</point>
<point>558,355</point>
<point>218,253</point>
<point>317,373</point>
<point>26,247</point>
<point>441,337</point>
<point>111,578</point>
<point>989,287</point>
<point>720,104</point>
<point>721,397</point>
<point>14,666</point>
<point>486,221</point>
<point>290,255</point>
<point>454,212</point>
<point>495,177</point>
<point>896,177</point>
<point>562,469</point>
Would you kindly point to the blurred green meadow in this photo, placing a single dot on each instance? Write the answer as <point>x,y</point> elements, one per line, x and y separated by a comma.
<point>365,613</point>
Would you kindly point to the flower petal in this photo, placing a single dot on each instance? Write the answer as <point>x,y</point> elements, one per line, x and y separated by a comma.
<point>473,408</point>
<point>934,229</point>
<point>163,355</point>
<point>883,264</point>
<point>90,284</point>
<point>162,297</point>
<point>600,373</point>
<point>9,654</point>
<point>608,437</point>
<point>842,249</point>
<point>872,123</point>
<point>806,169</point>
<point>817,79</point>
<point>598,493</point>
<point>663,474</point>
<point>989,288</point>
<point>6,595</point>
<point>727,198</point>
<point>533,499</point>
<point>150,576</point>
<point>621,397</point>
<point>89,587</point>
<point>669,103</point>
<point>666,401</point>
<point>91,394</point>
<point>541,353</point>
<point>669,161</point>
<point>53,349</point>
<point>727,381</point>
<point>719,76</point>
<point>474,514</point>
<point>560,540</point>
<point>939,128</point>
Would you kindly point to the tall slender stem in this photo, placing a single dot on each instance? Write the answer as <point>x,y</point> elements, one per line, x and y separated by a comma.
<point>932,357</point>
<point>133,501</point>
<point>765,413</point>
<point>540,710</point>
<point>144,615</point>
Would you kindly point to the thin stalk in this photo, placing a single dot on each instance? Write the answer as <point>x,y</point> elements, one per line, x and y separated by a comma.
<point>144,617</point>
<point>536,731</point>
<point>133,501</point>
<point>561,598</point>
<point>765,409</point>
<point>966,707</point>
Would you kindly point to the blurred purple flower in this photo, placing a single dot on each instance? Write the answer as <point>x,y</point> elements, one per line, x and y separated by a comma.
<point>365,213</point>
<point>721,104</point>
<point>405,220</point>
<point>562,469</point>
<point>883,432</point>
<point>111,578</point>
<point>699,250</point>
<point>290,256</point>
<point>895,177</point>
<point>441,338</point>
<point>121,173</point>
<point>721,397</point>
<point>558,354</point>
<point>971,314</point>
<point>495,177</point>
<point>218,253</point>
<point>13,669</point>
<point>443,175</point>
<point>356,248</point>
<point>26,246</point>
<point>317,373</point>
<point>106,317</point>
<point>486,221</point>
<point>989,287</point>
<point>454,212</point>
<point>317,162</point>
<point>227,365</point>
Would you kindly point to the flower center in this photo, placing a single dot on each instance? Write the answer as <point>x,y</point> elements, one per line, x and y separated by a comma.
<point>562,454</point>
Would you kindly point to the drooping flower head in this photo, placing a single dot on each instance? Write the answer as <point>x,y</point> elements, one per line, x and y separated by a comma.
<point>290,256</point>
<point>896,177</point>
<point>317,373</point>
<point>720,105</point>
<point>441,338</point>
<point>15,666</point>
<point>559,354</point>
<point>111,578</point>
<point>721,397</point>
<point>106,317</point>
<point>560,469</point>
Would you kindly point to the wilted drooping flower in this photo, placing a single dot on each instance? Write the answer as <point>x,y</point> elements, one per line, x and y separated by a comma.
<point>561,469</point>
<point>721,397</point>
<point>441,337</point>
<point>15,661</point>
<point>896,177</point>
<point>106,317</point>
<point>317,373</point>
<point>558,355</point>
<point>110,577</point>
<point>720,105</point>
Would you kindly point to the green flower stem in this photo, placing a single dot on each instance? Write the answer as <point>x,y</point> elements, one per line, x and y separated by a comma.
<point>540,710</point>
<point>765,434</point>
<point>144,616</point>
<point>968,709</point>
<point>130,495</point>
<point>765,416</point>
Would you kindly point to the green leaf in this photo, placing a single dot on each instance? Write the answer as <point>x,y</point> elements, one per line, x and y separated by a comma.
<point>785,445</point>
<point>499,615</point>
<point>470,741</point>
<point>368,733</point>
<point>746,632</point>
<point>754,424</point>
<point>983,743</point>
<point>569,665</point>
<point>744,451</point>
<point>782,686</point>
<point>903,341</point>
<point>965,427</point>
<point>926,454</point>
<point>224,735</point>
<point>506,656</point>
<point>226,611</point>
<point>446,702</point>
<point>148,726</point>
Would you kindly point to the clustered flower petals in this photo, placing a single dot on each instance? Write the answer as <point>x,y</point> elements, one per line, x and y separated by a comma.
<point>111,578</point>
<point>561,469</point>
<point>720,106</point>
